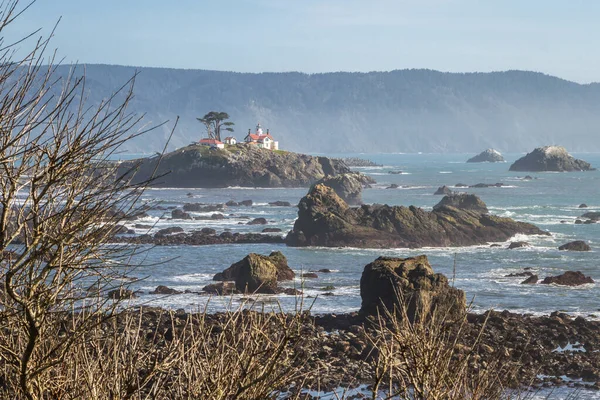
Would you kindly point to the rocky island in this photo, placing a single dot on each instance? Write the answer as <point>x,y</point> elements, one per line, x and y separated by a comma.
<point>551,159</point>
<point>489,155</point>
<point>235,165</point>
<point>324,219</point>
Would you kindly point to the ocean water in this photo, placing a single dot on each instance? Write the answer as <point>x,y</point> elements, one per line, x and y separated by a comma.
<point>550,201</point>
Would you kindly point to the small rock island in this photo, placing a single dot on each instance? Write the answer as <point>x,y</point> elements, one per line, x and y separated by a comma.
<point>324,219</point>
<point>550,159</point>
<point>489,155</point>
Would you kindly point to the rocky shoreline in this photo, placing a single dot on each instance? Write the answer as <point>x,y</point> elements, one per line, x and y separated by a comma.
<point>339,346</point>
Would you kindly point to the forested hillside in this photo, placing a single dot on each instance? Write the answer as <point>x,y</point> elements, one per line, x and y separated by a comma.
<point>397,111</point>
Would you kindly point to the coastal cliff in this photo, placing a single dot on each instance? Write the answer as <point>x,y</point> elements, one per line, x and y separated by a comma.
<point>235,165</point>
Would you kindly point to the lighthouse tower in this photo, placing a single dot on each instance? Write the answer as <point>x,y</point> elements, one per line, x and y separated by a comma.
<point>259,130</point>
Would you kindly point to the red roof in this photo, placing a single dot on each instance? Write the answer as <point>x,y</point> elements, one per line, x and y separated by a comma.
<point>252,136</point>
<point>210,141</point>
<point>229,138</point>
<point>255,137</point>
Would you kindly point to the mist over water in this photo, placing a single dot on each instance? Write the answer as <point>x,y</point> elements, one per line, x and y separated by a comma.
<point>546,201</point>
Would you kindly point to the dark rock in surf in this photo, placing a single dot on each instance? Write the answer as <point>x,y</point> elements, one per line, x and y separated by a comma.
<point>569,278</point>
<point>280,203</point>
<point>531,280</point>
<point>577,245</point>
<point>161,289</point>
<point>518,245</point>
<point>519,274</point>
<point>257,221</point>
<point>180,214</point>
<point>168,231</point>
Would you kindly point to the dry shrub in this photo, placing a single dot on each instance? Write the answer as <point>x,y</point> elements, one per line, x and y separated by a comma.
<point>156,354</point>
<point>433,358</point>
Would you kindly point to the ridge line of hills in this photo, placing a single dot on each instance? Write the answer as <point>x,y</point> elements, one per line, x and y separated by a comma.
<point>416,110</point>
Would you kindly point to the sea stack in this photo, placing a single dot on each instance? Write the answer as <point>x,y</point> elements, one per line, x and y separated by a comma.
<point>489,155</point>
<point>552,159</point>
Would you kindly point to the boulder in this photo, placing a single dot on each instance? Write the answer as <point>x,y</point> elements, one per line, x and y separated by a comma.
<point>280,203</point>
<point>593,215</point>
<point>486,185</point>
<point>246,203</point>
<point>310,275</point>
<point>410,283</point>
<point>217,216</point>
<point>161,289</point>
<point>199,207</point>
<point>489,155</point>
<point>518,245</point>
<point>393,186</point>
<point>550,158</point>
<point>324,219</point>
<point>583,205</point>
<point>519,274</point>
<point>257,221</point>
<point>461,185</point>
<point>169,230</point>
<point>569,278</point>
<point>348,186</point>
<point>180,214</point>
<point>443,191</point>
<point>232,203</point>
<point>221,288</point>
<point>271,230</point>
<point>531,280</point>
<point>463,201</point>
<point>121,294</point>
<point>256,269</point>
<point>208,231</point>
<point>578,245</point>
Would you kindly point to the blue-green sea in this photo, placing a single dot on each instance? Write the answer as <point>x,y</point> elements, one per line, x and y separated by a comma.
<point>549,200</point>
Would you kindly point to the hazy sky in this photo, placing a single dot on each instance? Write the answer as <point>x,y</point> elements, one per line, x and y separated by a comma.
<point>556,37</point>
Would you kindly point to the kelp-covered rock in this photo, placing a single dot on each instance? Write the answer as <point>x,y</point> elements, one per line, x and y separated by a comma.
<point>398,284</point>
<point>237,165</point>
<point>324,219</point>
<point>550,158</point>
<point>489,155</point>
<point>348,186</point>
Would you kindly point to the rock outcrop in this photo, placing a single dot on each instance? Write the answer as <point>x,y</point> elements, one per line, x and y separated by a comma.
<point>443,191</point>
<point>258,273</point>
<point>569,278</point>
<point>324,219</point>
<point>577,245</point>
<point>238,165</point>
<point>463,201</point>
<point>398,284</point>
<point>489,155</point>
<point>550,158</point>
<point>348,186</point>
